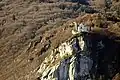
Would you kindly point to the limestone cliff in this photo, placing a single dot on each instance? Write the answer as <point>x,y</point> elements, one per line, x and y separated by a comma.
<point>82,57</point>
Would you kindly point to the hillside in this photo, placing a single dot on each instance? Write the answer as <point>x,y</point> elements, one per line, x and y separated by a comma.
<point>26,28</point>
<point>31,29</point>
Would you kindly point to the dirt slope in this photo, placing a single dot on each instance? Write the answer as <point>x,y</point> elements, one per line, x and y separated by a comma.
<point>27,30</point>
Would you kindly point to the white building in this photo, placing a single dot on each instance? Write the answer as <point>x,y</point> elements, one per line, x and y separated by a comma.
<point>80,28</point>
<point>83,28</point>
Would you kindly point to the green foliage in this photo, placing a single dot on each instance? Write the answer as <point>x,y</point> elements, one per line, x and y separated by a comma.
<point>66,56</point>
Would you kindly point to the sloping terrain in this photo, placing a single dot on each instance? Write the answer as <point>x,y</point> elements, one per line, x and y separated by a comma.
<point>27,29</point>
<point>30,29</point>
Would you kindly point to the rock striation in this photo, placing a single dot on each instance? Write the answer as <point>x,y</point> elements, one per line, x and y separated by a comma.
<point>79,58</point>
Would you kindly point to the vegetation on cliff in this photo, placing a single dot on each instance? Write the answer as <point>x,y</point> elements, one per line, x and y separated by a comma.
<point>30,29</point>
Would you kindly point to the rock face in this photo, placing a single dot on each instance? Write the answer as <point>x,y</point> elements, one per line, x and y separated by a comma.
<point>80,58</point>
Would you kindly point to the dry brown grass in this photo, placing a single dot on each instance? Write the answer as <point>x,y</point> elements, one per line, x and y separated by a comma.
<point>26,28</point>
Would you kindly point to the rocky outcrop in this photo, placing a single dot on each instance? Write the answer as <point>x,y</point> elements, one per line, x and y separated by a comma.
<point>79,58</point>
<point>88,57</point>
<point>60,65</point>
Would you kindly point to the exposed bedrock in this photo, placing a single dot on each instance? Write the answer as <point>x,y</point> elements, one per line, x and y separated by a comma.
<point>83,57</point>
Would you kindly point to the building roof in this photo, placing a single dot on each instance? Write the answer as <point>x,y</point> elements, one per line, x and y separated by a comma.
<point>83,28</point>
